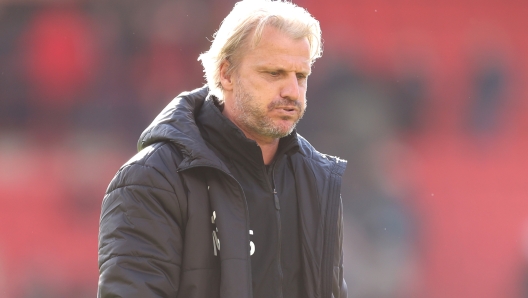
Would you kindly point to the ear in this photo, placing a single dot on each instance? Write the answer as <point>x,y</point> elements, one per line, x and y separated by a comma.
<point>226,79</point>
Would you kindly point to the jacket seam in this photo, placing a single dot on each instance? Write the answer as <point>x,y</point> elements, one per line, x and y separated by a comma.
<point>112,256</point>
<point>141,185</point>
<point>195,269</point>
<point>233,259</point>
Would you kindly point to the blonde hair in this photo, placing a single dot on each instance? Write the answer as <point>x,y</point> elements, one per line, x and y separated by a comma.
<point>253,16</point>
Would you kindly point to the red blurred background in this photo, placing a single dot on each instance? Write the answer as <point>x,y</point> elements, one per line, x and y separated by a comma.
<point>426,99</point>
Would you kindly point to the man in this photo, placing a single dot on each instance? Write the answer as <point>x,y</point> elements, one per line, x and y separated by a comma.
<point>224,198</point>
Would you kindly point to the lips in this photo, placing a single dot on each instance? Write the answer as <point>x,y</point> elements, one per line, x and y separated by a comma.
<point>283,104</point>
<point>287,113</point>
<point>288,109</point>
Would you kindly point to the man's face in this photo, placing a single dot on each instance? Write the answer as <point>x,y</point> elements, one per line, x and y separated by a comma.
<point>269,86</point>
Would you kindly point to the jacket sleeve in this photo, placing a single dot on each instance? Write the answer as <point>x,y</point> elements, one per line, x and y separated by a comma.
<point>140,238</point>
<point>339,288</point>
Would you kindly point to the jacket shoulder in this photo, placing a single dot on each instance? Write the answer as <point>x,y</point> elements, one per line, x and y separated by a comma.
<point>154,166</point>
<point>330,163</point>
<point>141,227</point>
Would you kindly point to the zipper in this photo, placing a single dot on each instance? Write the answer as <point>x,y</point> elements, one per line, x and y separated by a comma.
<point>279,238</point>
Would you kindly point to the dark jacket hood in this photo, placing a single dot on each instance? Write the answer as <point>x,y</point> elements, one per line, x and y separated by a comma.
<point>176,124</point>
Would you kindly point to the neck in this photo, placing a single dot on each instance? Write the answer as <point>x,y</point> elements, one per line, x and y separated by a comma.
<point>268,146</point>
<point>268,151</point>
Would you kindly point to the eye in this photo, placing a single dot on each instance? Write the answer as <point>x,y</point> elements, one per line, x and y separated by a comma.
<point>274,73</point>
<point>301,76</point>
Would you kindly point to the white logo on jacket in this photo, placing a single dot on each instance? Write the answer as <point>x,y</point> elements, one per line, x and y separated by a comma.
<point>216,239</point>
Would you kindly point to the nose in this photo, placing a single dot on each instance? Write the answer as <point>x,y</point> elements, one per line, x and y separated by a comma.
<point>291,90</point>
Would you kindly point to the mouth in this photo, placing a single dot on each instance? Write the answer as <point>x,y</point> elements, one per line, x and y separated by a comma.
<point>288,109</point>
<point>287,113</point>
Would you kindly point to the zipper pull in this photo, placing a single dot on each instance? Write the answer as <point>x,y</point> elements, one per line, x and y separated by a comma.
<point>277,205</point>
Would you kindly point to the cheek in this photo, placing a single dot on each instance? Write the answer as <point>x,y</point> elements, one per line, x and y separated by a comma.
<point>303,97</point>
<point>262,92</point>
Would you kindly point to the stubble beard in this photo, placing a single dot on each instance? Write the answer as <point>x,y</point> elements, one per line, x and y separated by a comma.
<point>255,119</point>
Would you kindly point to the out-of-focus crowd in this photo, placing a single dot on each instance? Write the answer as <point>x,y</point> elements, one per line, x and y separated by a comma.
<point>424,100</point>
<point>79,81</point>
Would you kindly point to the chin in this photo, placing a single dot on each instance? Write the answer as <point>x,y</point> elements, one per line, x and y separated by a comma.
<point>287,130</point>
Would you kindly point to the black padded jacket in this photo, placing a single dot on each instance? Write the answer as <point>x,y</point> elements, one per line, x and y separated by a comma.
<point>157,229</point>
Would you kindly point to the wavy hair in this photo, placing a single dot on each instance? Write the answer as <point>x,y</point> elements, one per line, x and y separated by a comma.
<point>252,16</point>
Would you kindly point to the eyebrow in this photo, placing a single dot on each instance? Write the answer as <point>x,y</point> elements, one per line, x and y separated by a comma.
<point>283,70</point>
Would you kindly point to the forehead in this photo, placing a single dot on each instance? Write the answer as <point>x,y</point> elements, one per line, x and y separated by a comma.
<point>278,49</point>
